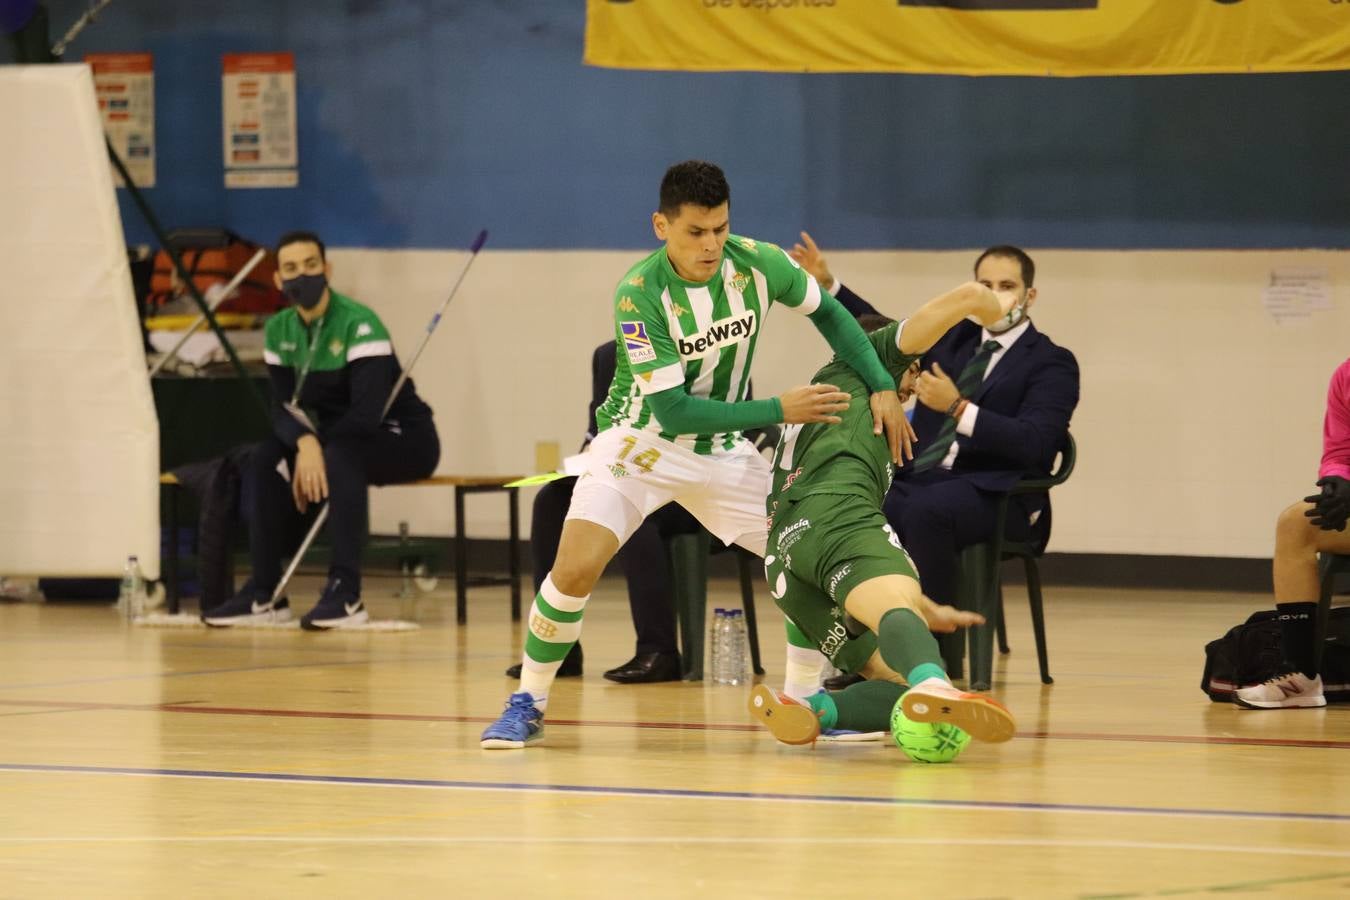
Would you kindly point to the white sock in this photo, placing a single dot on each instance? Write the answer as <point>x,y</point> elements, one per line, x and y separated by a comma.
<point>804,665</point>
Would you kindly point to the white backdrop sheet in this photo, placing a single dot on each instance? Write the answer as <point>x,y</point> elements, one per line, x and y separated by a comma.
<point>79,441</point>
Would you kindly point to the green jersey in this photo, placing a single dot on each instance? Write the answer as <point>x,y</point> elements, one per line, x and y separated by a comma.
<point>342,367</point>
<point>672,332</point>
<point>348,331</point>
<point>846,458</point>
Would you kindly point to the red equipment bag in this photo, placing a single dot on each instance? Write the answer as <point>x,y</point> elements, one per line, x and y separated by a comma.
<point>213,255</point>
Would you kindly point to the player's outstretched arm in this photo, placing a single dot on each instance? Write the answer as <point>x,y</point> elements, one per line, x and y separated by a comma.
<point>680,413</point>
<point>936,317</point>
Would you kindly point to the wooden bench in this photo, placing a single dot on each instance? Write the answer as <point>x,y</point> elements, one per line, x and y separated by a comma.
<point>463,485</point>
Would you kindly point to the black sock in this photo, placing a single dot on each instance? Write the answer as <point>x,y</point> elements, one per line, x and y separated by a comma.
<point>1296,634</point>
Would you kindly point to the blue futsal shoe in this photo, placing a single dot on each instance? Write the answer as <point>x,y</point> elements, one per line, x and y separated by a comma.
<point>519,725</point>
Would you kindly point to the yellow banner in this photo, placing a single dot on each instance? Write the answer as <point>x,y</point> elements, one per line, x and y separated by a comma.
<point>971,37</point>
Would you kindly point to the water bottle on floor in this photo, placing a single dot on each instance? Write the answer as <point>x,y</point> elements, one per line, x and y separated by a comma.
<point>738,670</point>
<point>131,594</point>
<point>716,645</point>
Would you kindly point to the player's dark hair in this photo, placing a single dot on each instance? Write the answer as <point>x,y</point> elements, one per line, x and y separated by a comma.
<point>694,182</point>
<point>871,322</point>
<point>1008,251</point>
<point>301,237</point>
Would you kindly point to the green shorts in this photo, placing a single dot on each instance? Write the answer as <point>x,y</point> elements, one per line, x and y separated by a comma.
<point>820,548</point>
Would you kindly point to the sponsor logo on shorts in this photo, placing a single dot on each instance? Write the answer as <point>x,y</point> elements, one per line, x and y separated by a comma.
<point>731,330</point>
<point>835,639</point>
<point>839,575</point>
<point>791,534</point>
<point>636,342</point>
<point>541,627</point>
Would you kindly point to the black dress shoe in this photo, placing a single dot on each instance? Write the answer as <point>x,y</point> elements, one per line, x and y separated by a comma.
<point>841,681</point>
<point>571,667</point>
<point>646,668</point>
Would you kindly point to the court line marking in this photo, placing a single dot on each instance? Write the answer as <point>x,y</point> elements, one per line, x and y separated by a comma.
<point>1045,843</point>
<point>181,707</point>
<point>675,793</point>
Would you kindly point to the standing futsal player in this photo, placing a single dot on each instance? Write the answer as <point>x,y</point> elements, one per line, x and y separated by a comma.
<point>332,367</point>
<point>831,552</point>
<point>687,319</point>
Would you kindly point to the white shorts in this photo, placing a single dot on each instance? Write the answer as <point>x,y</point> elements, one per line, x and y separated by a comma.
<point>631,474</point>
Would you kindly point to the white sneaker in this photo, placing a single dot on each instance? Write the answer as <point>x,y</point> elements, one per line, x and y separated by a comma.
<point>1292,691</point>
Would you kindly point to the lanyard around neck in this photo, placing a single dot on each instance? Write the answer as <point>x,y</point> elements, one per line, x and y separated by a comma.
<point>309,359</point>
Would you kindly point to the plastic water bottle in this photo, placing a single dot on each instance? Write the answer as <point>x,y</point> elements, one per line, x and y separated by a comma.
<point>717,649</point>
<point>131,595</point>
<point>738,669</point>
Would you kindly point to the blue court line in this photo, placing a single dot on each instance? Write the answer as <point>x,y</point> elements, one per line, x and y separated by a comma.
<point>681,794</point>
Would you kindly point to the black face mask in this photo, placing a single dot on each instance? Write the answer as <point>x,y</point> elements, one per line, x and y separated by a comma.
<point>305,290</point>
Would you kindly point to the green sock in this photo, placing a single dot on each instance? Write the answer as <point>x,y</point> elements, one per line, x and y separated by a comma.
<point>865,706</point>
<point>908,647</point>
<point>824,706</point>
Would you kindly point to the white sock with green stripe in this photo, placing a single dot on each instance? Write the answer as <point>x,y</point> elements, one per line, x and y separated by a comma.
<point>555,625</point>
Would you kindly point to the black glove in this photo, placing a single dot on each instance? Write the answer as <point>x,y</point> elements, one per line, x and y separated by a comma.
<point>1331,508</point>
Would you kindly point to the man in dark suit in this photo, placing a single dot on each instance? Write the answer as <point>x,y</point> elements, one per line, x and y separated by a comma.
<point>643,559</point>
<point>993,405</point>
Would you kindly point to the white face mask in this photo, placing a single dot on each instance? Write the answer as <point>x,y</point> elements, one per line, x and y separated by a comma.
<point>1012,319</point>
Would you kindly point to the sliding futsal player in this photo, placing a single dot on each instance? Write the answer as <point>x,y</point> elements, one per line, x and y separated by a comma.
<point>832,556</point>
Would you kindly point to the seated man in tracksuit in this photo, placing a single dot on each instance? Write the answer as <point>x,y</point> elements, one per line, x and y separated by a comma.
<point>332,366</point>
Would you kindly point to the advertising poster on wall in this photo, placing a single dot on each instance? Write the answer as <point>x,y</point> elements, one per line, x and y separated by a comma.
<point>258,106</point>
<point>125,86</point>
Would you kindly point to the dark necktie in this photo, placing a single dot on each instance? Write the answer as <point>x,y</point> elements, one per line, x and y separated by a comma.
<point>966,383</point>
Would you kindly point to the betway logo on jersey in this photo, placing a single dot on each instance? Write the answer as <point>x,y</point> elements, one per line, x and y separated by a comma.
<point>731,330</point>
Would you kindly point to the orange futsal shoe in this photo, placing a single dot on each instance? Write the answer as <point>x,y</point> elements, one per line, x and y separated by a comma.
<point>982,717</point>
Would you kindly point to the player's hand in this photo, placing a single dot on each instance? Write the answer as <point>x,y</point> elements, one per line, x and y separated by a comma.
<point>888,415</point>
<point>1331,508</point>
<point>809,257</point>
<point>813,403</point>
<point>946,619</point>
<point>310,482</point>
<point>936,390</point>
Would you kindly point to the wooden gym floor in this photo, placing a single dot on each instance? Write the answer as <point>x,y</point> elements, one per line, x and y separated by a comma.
<point>160,762</point>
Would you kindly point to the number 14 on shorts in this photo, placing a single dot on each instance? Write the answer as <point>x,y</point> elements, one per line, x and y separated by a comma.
<point>643,460</point>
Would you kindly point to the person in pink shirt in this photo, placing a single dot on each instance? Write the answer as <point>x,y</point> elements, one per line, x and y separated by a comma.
<point>1314,525</point>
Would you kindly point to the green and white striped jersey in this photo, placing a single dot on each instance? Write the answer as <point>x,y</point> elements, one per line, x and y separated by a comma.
<point>673,332</point>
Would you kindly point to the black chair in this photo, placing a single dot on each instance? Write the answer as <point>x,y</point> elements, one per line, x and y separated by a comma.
<point>981,590</point>
<point>689,554</point>
<point>1330,565</point>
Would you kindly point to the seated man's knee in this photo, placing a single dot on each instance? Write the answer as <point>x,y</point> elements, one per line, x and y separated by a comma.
<point>918,510</point>
<point>1293,528</point>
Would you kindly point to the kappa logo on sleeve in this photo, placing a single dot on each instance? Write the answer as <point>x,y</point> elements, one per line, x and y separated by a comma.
<point>627,305</point>
<point>364,329</point>
<point>636,343</point>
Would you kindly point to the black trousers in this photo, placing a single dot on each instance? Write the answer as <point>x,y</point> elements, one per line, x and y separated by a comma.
<point>936,514</point>
<point>276,527</point>
<point>643,559</point>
